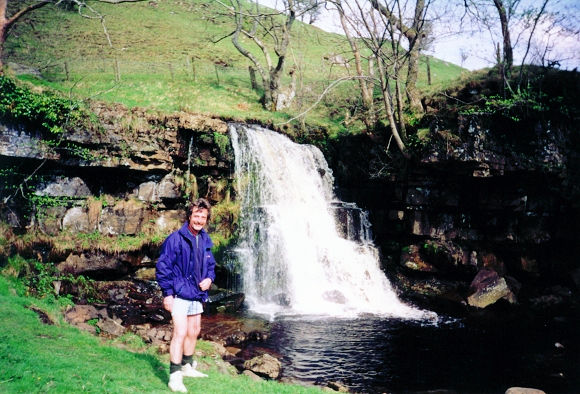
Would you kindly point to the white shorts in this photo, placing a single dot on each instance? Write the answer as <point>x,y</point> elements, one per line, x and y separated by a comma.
<point>186,307</point>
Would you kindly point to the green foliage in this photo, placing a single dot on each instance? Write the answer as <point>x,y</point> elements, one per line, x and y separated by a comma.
<point>222,141</point>
<point>46,201</point>
<point>416,145</point>
<point>510,107</point>
<point>93,322</point>
<point>48,111</point>
<point>39,279</point>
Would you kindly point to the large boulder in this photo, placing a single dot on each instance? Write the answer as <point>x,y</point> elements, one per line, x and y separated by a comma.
<point>65,187</point>
<point>487,288</point>
<point>76,220</point>
<point>125,217</point>
<point>264,365</point>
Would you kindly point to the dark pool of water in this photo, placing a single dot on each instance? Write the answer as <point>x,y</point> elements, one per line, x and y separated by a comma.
<point>478,354</point>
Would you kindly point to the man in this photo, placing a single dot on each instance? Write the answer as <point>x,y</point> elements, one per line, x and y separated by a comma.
<point>185,272</point>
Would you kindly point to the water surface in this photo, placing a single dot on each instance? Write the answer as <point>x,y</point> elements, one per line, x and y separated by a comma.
<point>470,355</point>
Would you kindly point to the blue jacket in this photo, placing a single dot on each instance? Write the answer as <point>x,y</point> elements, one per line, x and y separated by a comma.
<point>179,270</point>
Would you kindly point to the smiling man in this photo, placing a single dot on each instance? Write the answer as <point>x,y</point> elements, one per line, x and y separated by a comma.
<point>185,272</point>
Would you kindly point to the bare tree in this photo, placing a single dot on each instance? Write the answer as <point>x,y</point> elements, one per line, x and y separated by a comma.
<point>380,32</point>
<point>413,33</point>
<point>517,21</point>
<point>309,10</point>
<point>366,85</point>
<point>7,22</point>
<point>268,31</point>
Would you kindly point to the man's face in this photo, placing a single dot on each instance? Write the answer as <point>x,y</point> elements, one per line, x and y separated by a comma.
<point>198,218</point>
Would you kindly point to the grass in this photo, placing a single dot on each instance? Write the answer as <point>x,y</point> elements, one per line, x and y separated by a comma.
<point>168,58</point>
<point>36,357</point>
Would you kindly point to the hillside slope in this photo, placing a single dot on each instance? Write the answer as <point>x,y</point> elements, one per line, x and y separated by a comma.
<point>176,55</point>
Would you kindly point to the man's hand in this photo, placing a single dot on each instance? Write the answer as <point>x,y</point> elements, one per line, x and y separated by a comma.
<point>205,284</point>
<point>168,303</point>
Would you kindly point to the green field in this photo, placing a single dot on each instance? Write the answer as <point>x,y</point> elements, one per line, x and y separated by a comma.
<point>57,358</point>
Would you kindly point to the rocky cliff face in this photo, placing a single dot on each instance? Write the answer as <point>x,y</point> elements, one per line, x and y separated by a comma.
<point>98,201</point>
<point>486,213</point>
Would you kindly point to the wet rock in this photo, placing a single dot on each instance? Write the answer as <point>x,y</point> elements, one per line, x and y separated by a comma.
<point>432,289</point>
<point>555,296</point>
<point>487,288</point>
<point>233,350</point>
<point>337,386</point>
<point>232,331</point>
<point>412,259</point>
<point>224,302</point>
<point>264,365</point>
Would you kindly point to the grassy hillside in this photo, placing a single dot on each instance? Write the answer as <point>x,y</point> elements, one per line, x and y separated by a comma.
<point>57,358</point>
<point>168,55</point>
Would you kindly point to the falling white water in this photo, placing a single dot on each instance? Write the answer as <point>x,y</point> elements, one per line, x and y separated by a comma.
<point>293,256</point>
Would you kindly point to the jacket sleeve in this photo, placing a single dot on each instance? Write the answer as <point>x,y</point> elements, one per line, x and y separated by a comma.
<point>210,260</point>
<point>164,268</point>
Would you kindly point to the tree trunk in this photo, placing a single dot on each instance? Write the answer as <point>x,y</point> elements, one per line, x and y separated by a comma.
<point>412,73</point>
<point>6,23</point>
<point>508,57</point>
<point>252,71</point>
<point>271,75</point>
<point>366,93</point>
<point>389,110</point>
<point>3,31</point>
<point>413,34</point>
<point>428,61</point>
<point>415,37</point>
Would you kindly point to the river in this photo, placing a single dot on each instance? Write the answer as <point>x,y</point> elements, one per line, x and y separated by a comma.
<point>482,353</point>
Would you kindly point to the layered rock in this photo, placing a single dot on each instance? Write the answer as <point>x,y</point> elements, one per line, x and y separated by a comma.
<point>484,194</point>
<point>120,184</point>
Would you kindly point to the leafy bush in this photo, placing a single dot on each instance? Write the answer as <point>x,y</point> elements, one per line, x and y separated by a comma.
<point>47,110</point>
<point>40,279</point>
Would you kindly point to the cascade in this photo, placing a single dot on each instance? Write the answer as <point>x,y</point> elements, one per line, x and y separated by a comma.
<point>302,251</point>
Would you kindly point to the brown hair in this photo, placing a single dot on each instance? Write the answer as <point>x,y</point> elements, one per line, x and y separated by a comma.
<point>200,203</point>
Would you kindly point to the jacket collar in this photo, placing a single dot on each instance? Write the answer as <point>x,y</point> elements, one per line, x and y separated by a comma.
<point>184,231</point>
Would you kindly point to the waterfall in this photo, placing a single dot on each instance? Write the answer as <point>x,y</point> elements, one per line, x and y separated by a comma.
<point>297,258</point>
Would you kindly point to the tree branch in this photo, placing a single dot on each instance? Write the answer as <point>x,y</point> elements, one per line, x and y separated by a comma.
<point>332,85</point>
<point>10,21</point>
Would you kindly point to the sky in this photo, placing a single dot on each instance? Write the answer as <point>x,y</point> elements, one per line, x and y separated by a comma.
<point>473,48</point>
